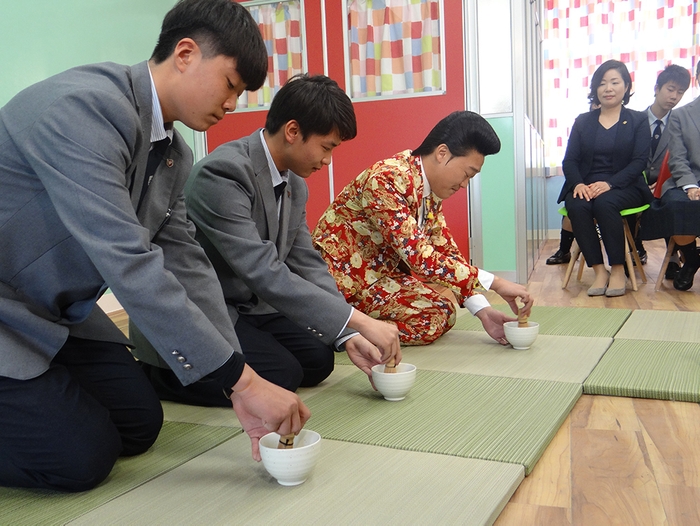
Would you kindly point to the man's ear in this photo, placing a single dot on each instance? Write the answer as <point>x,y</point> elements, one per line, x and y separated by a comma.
<point>442,153</point>
<point>292,132</point>
<point>185,52</point>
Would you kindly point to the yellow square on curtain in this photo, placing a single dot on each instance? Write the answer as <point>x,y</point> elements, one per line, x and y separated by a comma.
<point>395,47</point>
<point>647,35</point>
<point>280,25</point>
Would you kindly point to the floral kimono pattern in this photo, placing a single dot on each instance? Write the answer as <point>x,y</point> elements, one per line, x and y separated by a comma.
<point>382,259</point>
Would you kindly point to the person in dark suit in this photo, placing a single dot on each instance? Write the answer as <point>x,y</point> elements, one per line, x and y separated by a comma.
<point>605,157</point>
<point>670,86</point>
<point>91,199</point>
<point>248,201</point>
<point>678,212</point>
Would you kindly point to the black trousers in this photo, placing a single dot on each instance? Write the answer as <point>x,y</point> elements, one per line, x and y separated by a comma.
<point>64,429</point>
<point>274,347</point>
<point>605,210</point>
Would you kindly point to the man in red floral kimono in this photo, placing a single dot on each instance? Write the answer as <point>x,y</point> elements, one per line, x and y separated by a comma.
<point>389,249</point>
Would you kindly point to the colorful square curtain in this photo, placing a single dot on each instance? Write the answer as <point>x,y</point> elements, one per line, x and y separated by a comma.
<point>394,47</point>
<point>280,25</point>
<point>579,35</point>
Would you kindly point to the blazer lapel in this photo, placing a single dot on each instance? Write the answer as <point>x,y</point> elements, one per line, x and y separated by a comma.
<point>663,142</point>
<point>263,179</point>
<point>694,113</point>
<point>142,92</point>
<point>157,201</point>
<point>286,207</point>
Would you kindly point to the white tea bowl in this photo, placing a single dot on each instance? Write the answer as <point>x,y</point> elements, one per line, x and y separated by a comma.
<point>394,386</point>
<point>521,337</point>
<point>290,467</point>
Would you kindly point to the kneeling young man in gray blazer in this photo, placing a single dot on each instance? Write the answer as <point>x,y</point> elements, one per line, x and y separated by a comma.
<point>92,199</point>
<point>248,201</point>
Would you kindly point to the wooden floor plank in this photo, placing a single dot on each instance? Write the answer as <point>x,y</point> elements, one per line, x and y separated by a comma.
<point>611,413</point>
<point>672,432</point>
<point>682,504</point>
<point>611,481</point>
<point>549,484</point>
<point>515,514</point>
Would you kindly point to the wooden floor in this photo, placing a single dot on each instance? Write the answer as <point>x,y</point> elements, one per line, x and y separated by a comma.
<point>615,460</point>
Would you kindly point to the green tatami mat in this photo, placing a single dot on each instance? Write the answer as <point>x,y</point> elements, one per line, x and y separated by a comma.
<point>208,416</point>
<point>555,358</point>
<point>562,321</point>
<point>648,369</point>
<point>661,325</point>
<point>352,484</point>
<point>491,418</point>
<point>176,444</point>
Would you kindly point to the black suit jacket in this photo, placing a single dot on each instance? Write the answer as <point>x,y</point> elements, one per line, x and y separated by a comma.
<point>632,144</point>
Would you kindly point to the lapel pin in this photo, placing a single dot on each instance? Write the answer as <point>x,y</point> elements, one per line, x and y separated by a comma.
<point>624,122</point>
<point>169,163</point>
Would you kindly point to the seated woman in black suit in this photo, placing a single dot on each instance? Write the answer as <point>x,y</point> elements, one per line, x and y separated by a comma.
<point>607,151</point>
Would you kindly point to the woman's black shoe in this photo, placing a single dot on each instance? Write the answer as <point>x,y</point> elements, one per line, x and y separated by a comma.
<point>684,278</point>
<point>559,257</point>
<point>672,270</point>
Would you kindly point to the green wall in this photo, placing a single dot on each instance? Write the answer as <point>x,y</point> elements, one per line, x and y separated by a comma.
<point>44,37</point>
<point>498,201</point>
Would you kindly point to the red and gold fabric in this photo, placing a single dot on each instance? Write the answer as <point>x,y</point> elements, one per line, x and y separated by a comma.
<point>380,256</point>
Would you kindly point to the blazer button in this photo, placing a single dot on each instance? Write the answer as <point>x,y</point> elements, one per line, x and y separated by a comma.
<point>175,353</point>
<point>181,359</point>
<point>320,335</point>
<point>187,366</point>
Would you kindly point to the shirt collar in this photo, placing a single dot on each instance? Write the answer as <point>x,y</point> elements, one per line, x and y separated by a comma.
<point>652,119</point>
<point>158,131</point>
<point>277,176</point>
<point>426,184</point>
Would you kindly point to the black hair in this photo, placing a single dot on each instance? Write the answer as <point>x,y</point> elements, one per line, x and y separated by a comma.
<point>219,27</point>
<point>600,73</point>
<point>676,74</point>
<point>317,104</point>
<point>462,132</point>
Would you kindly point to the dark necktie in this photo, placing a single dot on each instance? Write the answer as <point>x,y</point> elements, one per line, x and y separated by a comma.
<point>155,156</point>
<point>279,189</point>
<point>656,136</point>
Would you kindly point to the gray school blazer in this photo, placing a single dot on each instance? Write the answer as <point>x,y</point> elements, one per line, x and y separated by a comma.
<point>264,264</point>
<point>73,151</point>
<point>684,137</point>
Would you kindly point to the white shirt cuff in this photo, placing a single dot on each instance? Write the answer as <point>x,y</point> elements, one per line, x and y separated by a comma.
<point>486,279</point>
<point>340,341</point>
<point>478,301</point>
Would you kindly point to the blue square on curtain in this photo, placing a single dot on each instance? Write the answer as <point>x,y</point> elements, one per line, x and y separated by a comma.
<point>408,76</point>
<point>282,62</point>
<point>353,35</point>
<point>378,4</point>
<point>396,32</point>
<point>416,47</point>
<point>363,84</point>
